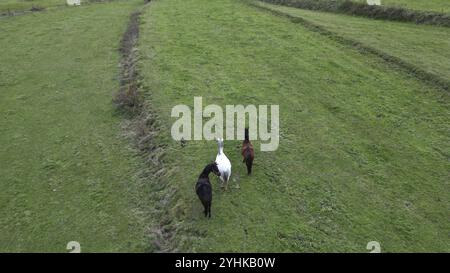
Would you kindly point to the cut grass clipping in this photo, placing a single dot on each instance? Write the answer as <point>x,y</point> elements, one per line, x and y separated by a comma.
<point>142,127</point>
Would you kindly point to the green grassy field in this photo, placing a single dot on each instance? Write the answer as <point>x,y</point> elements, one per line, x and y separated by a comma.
<point>364,149</point>
<point>66,173</point>
<point>14,5</point>
<point>426,5</point>
<point>424,46</point>
<point>21,5</point>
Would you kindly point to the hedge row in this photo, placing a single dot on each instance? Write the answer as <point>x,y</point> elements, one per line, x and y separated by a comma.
<point>362,9</point>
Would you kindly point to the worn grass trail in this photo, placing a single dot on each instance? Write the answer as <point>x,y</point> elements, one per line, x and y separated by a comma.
<point>65,172</point>
<point>364,151</point>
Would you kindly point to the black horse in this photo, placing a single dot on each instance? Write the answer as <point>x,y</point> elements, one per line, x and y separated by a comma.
<point>203,187</point>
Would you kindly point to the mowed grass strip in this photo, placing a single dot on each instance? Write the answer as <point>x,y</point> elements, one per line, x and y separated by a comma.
<point>424,46</point>
<point>66,173</point>
<point>364,149</point>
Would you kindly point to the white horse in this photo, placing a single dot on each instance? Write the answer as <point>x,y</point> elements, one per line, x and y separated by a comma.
<point>223,163</point>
